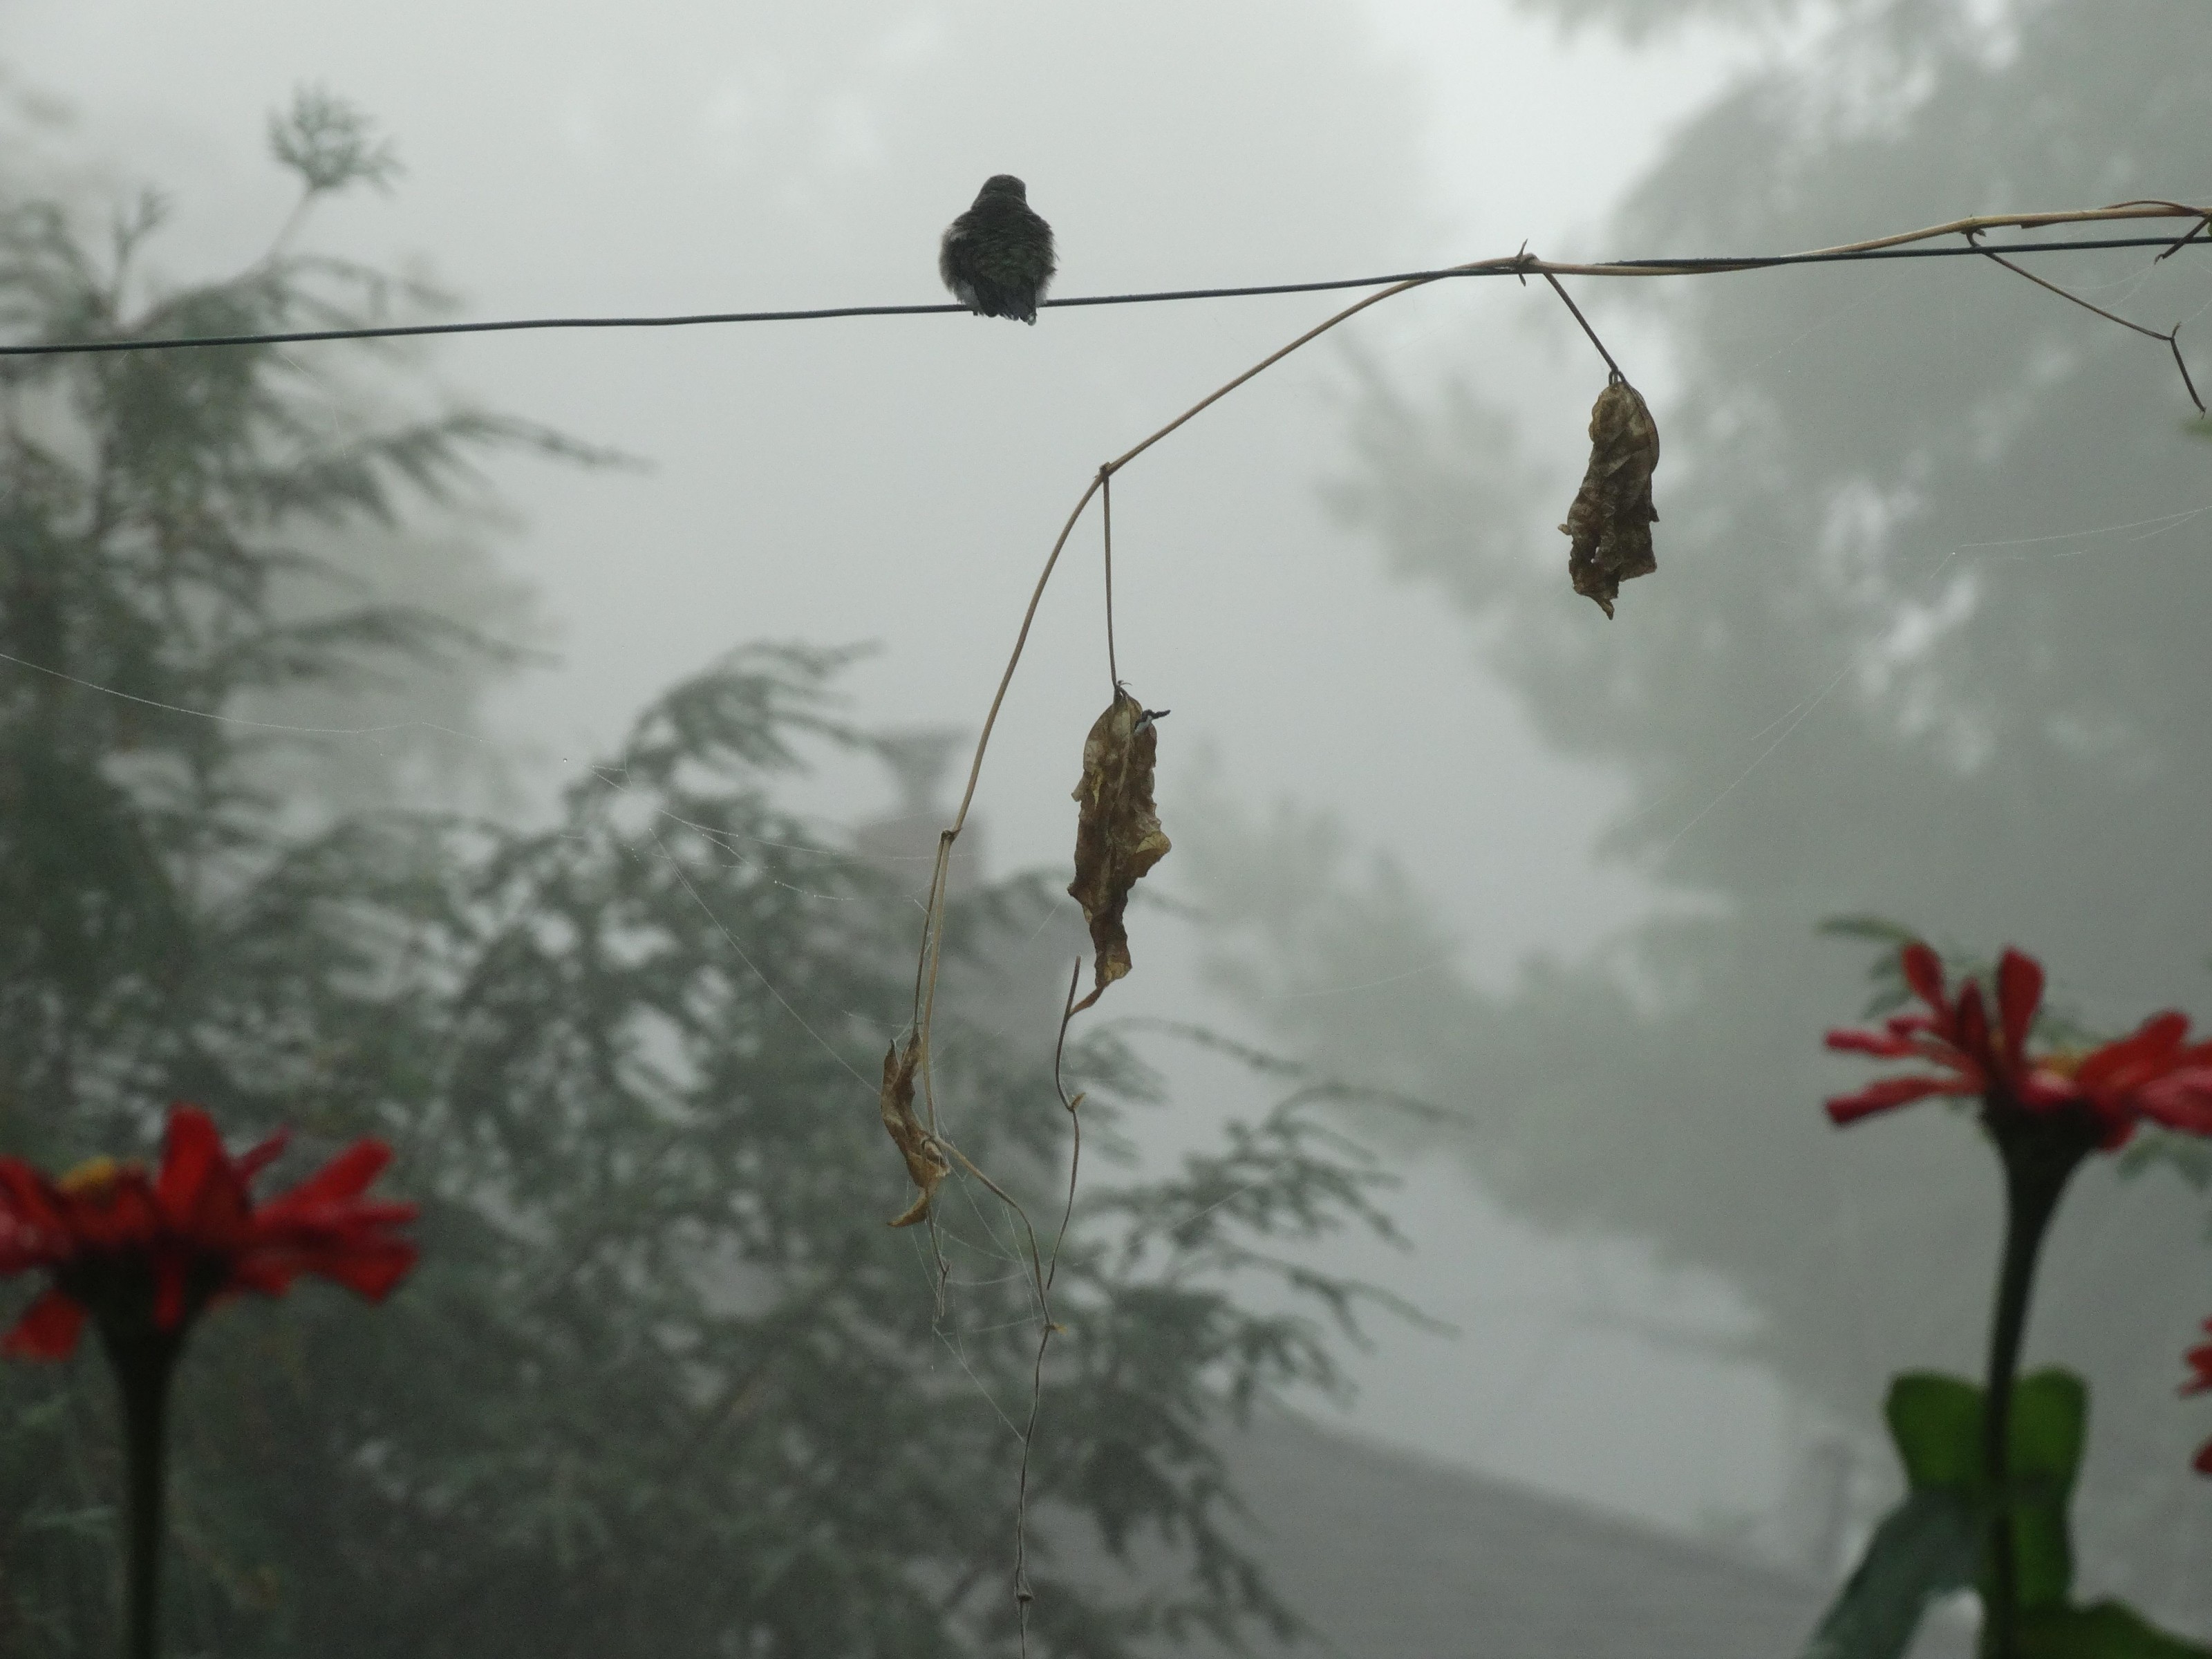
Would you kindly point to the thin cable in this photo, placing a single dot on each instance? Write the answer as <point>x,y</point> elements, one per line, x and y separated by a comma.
<point>250,725</point>
<point>1506,267</point>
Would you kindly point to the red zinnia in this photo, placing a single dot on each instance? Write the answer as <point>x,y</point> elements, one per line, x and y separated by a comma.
<point>2152,1073</point>
<point>123,1245</point>
<point>2200,1362</point>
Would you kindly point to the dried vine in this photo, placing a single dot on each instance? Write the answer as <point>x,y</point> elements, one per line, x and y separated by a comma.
<point>1615,503</point>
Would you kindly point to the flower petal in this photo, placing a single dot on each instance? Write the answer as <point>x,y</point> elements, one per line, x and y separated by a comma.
<point>1891,1091</point>
<point>368,1269</point>
<point>347,1175</point>
<point>2151,1049</point>
<point>324,1226</point>
<point>202,1197</point>
<point>190,1158</point>
<point>252,1164</point>
<point>47,1330</point>
<point>1924,972</point>
<point>2200,1362</point>
<point>266,1272</point>
<point>1848,1040</point>
<point>2020,993</point>
<point>2180,1100</point>
<point>193,1229</point>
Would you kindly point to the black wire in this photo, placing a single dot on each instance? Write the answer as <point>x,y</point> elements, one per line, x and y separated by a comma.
<point>1685,267</point>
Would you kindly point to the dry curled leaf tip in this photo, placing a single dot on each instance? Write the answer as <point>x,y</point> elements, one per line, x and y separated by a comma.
<point>1611,519</point>
<point>926,1166</point>
<point>1117,829</point>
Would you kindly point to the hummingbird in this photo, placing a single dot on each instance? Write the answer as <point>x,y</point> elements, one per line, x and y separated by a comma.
<point>997,257</point>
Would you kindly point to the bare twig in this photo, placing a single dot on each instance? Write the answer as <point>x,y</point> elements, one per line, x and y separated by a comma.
<point>1044,1270</point>
<point>933,926</point>
<point>1023,1595</point>
<point>1106,516</point>
<point>2182,241</point>
<point>2171,337</point>
<point>1075,1123</point>
<point>2176,209</point>
<point>933,915</point>
<point>1611,366</point>
<point>1274,358</point>
<point>926,969</point>
<point>1876,244</point>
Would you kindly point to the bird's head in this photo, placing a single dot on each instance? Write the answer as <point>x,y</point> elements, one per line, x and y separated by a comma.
<point>1003,184</point>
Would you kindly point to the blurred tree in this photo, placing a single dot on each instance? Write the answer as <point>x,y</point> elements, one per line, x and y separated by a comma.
<point>667,1383</point>
<point>1926,641</point>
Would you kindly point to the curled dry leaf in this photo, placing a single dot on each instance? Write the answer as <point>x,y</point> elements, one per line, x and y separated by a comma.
<point>1117,831</point>
<point>925,1162</point>
<point>1612,517</point>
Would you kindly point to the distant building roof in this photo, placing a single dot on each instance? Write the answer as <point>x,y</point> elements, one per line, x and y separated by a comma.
<point>902,842</point>
<point>1387,1556</point>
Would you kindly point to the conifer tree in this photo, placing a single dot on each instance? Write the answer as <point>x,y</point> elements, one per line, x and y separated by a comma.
<point>665,1382</point>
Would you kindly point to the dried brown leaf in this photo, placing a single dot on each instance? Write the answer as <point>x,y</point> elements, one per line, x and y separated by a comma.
<point>1612,517</point>
<point>1117,829</point>
<point>925,1162</point>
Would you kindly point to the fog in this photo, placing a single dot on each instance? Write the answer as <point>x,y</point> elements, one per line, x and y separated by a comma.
<point>896,482</point>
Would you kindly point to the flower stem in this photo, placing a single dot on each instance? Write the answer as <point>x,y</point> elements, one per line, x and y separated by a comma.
<point>2040,1155</point>
<point>144,1366</point>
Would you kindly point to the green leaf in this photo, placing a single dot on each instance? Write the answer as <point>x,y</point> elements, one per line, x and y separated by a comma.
<point>1923,1548</point>
<point>2050,1422</point>
<point>2106,1630</point>
<point>1936,1423</point>
<point>1880,929</point>
<point>2050,1425</point>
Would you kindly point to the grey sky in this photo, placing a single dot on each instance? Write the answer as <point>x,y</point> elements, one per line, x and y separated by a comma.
<point>899,482</point>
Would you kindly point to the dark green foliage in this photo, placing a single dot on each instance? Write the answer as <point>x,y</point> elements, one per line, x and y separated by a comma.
<point>163,519</point>
<point>2103,1629</point>
<point>1923,1549</point>
<point>330,143</point>
<point>665,1383</point>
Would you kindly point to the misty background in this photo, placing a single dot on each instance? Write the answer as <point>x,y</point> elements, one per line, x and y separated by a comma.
<point>1922,639</point>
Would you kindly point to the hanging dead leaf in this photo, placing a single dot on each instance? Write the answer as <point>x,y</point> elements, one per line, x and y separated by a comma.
<point>925,1162</point>
<point>1117,829</point>
<point>1611,516</point>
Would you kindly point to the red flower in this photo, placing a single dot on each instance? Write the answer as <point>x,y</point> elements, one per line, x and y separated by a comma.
<point>2200,1362</point>
<point>2153,1073</point>
<point>126,1247</point>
